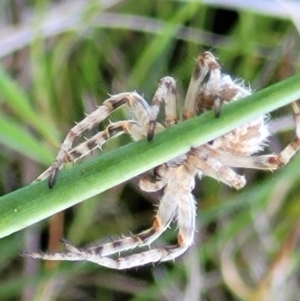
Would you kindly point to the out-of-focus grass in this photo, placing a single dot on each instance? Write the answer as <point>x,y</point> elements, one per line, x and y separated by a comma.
<point>72,55</point>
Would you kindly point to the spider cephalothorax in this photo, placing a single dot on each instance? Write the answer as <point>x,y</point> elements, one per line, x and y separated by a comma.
<point>209,89</point>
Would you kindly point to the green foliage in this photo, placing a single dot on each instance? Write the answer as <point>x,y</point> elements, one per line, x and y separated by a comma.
<point>72,55</point>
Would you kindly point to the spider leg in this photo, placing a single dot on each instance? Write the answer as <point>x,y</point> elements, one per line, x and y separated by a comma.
<point>202,159</point>
<point>200,75</point>
<point>142,112</point>
<point>177,199</point>
<point>186,225</point>
<point>209,88</point>
<point>115,129</point>
<point>133,100</point>
<point>166,93</point>
<point>149,186</point>
<point>164,216</point>
<point>265,162</point>
<point>97,254</point>
<point>130,127</point>
<point>284,157</point>
<point>180,182</point>
<point>160,181</point>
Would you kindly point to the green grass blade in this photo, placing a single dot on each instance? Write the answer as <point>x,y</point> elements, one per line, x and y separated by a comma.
<point>14,136</point>
<point>33,203</point>
<point>161,42</point>
<point>19,103</point>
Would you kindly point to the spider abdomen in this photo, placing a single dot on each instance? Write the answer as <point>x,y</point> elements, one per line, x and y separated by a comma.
<point>244,140</point>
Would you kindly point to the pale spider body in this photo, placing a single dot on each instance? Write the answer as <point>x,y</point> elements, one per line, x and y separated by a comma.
<point>208,89</point>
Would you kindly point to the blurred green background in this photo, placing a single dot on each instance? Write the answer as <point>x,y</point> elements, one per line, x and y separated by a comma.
<point>60,59</point>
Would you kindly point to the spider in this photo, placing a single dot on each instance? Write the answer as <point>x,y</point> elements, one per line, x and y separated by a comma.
<point>209,89</point>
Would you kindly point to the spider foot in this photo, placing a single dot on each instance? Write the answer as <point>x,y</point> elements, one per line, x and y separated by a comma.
<point>53,176</point>
<point>70,247</point>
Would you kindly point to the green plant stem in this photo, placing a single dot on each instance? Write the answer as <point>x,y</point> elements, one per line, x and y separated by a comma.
<point>33,203</point>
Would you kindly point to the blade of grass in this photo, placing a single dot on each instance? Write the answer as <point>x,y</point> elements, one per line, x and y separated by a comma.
<point>161,42</point>
<point>19,103</point>
<point>33,203</point>
<point>16,137</point>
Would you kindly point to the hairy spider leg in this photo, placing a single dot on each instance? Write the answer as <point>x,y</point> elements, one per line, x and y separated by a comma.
<point>134,100</point>
<point>264,162</point>
<point>166,93</point>
<point>115,129</point>
<point>174,202</point>
<point>209,88</point>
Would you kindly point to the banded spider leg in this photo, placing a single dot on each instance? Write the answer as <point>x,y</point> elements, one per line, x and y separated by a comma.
<point>168,208</point>
<point>141,127</point>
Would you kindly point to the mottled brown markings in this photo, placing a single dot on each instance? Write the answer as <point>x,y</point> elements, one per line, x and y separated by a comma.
<point>105,136</point>
<point>113,130</point>
<point>117,243</point>
<point>252,132</point>
<point>72,134</point>
<point>204,102</point>
<point>171,88</point>
<point>156,101</point>
<point>75,154</point>
<point>144,235</point>
<point>116,104</point>
<point>228,93</point>
<point>98,250</point>
<point>197,72</point>
<point>91,144</point>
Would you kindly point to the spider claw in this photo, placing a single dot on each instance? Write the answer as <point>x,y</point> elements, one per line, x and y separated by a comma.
<point>53,177</point>
<point>217,107</point>
<point>151,130</point>
<point>217,113</point>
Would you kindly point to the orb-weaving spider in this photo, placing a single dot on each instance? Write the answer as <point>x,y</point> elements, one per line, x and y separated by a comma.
<point>208,89</point>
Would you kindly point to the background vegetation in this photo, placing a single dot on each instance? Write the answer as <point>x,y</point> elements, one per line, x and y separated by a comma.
<point>59,59</point>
